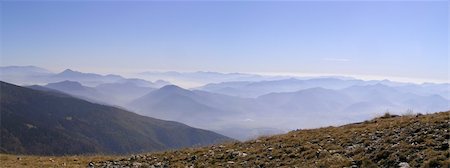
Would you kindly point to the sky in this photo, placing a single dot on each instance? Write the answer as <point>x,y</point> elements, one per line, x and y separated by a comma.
<point>387,39</point>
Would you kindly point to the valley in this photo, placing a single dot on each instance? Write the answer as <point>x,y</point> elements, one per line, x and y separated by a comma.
<point>264,105</point>
<point>224,83</point>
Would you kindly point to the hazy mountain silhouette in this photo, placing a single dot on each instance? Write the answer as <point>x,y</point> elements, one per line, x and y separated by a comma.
<point>39,122</point>
<point>31,75</point>
<point>23,70</point>
<point>224,114</point>
<point>311,101</point>
<point>199,78</point>
<point>255,89</point>
<point>393,99</point>
<point>175,103</point>
<point>24,74</point>
<point>89,79</point>
<point>306,108</point>
<point>254,103</point>
<point>125,92</point>
<point>83,92</point>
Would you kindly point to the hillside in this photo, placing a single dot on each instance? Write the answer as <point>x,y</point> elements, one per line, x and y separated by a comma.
<point>388,141</point>
<point>220,113</point>
<point>51,123</point>
<point>76,89</point>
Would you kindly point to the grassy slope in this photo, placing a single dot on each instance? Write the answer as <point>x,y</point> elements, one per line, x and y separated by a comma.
<point>383,142</point>
<point>421,141</point>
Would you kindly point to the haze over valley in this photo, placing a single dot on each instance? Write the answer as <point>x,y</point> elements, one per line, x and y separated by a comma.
<point>242,110</point>
<point>224,84</point>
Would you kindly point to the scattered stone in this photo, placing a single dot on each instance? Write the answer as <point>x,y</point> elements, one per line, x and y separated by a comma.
<point>400,142</point>
<point>403,165</point>
<point>242,154</point>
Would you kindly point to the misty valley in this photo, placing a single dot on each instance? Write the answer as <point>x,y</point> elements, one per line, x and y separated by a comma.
<point>244,109</point>
<point>224,83</point>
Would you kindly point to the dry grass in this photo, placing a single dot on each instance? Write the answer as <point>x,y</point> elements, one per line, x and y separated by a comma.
<point>420,141</point>
<point>7,160</point>
<point>387,141</point>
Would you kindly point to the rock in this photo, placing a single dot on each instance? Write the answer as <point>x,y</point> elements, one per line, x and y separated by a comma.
<point>193,158</point>
<point>243,154</point>
<point>90,164</point>
<point>403,165</point>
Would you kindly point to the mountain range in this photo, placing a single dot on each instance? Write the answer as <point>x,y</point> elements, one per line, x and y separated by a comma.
<point>31,75</point>
<point>260,106</point>
<point>53,123</point>
<point>199,78</point>
<point>239,117</point>
<point>117,94</point>
<point>254,89</point>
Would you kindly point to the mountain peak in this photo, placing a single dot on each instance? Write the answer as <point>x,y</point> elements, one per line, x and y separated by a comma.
<point>171,88</point>
<point>66,84</point>
<point>69,72</point>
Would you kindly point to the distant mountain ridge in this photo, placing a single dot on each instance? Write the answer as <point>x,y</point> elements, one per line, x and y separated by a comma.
<point>23,70</point>
<point>116,94</point>
<point>51,123</point>
<point>244,106</point>
<point>30,75</point>
<point>199,78</point>
<point>199,109</point>
<point>254,89</point>
<point>306,108</point>
<point>83,92</point>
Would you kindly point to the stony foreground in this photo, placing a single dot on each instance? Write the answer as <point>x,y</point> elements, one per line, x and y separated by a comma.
<point>388,141</point>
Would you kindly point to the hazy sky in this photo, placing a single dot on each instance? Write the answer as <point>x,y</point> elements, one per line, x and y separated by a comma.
<point>392,39</point>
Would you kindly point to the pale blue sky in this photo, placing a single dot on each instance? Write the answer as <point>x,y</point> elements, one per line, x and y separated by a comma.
<point>389,39</point>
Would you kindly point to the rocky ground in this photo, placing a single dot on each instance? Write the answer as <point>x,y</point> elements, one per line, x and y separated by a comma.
<point>388,141</point>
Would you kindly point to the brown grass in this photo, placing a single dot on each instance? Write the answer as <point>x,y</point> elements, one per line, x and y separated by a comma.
<point>387,141</point>
<point>7,160</point>
<point>420,141</point>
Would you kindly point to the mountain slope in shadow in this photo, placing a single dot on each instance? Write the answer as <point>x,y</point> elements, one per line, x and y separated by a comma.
<point>52,123</point>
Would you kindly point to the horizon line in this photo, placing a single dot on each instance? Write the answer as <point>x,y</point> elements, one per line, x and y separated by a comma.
<point>364,77</point>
